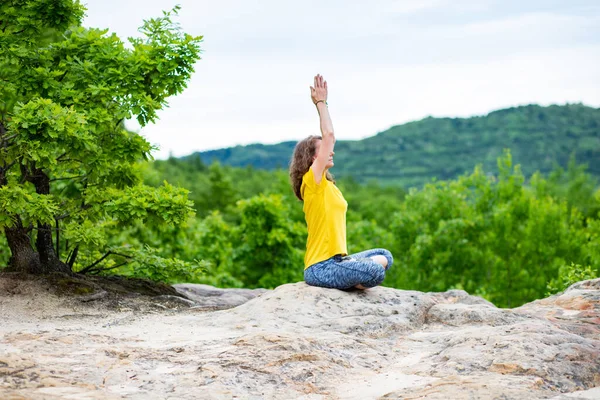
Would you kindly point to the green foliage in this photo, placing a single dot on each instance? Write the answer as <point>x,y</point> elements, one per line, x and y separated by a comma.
<point>85,233</point>
<point>371,201</point>
<point>66,159</point>
<point>444,148</point>
<point>568,275</point>
<point>30,206</point>
<point>166,204</point>
<point>220,186</point>
<point>269,251</point>
<point>499,237</point>
<point>364,234</point>
<point>574,185</point>
<point>144,262</point>
<point>68,165</point>
<point>213,240</point>
<point>4,252</point>
<point>485,236</point>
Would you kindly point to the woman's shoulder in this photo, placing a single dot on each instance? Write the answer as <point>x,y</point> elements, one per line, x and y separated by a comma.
<point>309,179</point>
<point>310,186</point>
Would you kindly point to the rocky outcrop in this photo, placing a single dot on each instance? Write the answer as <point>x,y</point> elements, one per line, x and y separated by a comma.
<point>210,298</point>
<point>302,342</point>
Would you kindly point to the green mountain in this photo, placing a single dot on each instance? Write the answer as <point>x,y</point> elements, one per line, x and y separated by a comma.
<point>443,148</point>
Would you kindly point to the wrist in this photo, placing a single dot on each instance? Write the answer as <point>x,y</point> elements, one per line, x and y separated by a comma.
<point>321,101</point>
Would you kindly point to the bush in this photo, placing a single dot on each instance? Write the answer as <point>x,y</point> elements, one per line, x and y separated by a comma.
<point>568,275</point>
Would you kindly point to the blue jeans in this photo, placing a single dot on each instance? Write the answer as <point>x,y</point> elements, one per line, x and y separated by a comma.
<point>346,272</point>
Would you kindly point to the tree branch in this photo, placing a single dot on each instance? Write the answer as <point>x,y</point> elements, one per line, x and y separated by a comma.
<point>67,177</point>
<point>91,267</point>
<point>9,137</point>
<point>98,270</point>
<point>72,257</point>
<point>63,216</point>
<point>122,255</point>
<point>63,76</point>
<point>57,240</point>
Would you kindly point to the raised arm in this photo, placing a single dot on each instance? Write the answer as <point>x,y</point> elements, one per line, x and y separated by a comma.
<point>324,156</point>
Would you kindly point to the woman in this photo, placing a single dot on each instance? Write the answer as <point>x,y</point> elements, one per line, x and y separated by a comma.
<point>326,262</point>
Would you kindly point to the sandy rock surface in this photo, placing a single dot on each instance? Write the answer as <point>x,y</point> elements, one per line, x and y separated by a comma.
<point>211,298</point>
<point>300,342</point>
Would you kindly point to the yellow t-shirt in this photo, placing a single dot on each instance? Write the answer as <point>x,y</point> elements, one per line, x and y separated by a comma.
<point>325,214</point>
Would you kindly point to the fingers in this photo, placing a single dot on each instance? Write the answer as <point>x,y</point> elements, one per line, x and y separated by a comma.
<point>320,82</point>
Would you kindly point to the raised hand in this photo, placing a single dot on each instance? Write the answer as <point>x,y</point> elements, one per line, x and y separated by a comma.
<point>319,92</point>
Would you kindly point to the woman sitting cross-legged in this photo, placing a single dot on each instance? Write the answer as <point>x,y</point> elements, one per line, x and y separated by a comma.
<point>326,262</point>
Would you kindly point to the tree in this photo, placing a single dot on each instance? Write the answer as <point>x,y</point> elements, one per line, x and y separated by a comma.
<point>271,244</point>
<point>491,236</point>
<point>67,163</point>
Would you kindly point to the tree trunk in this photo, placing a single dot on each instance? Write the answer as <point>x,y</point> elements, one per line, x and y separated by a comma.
<point>48,257</point>
<point>23,258</point>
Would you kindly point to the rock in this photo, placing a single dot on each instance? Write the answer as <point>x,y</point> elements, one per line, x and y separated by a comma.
<point>208,297</point>
<point>576,310</point>
<point>173,301</point>
<point>302,342</point>
<point>95,296</point>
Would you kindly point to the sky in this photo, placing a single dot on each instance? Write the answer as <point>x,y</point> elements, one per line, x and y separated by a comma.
<point>386,62</point>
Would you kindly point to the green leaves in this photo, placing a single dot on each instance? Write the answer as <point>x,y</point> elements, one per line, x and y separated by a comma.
<point>166,60</point>
<point>568,275</point>
<point>269,251</point>
<point>147,263</point>
<point>166,204</point>
<point>65,157</point>
<point>85,233</point>
<point>485,235</point>
<point>29,206</point>
<point>27,19</point>
<point>44,130</point>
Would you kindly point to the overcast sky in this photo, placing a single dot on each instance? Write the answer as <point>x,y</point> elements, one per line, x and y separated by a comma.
<point>386,62</point>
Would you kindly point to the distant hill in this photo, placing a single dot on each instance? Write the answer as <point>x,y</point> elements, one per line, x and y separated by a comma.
<point>413,153</point>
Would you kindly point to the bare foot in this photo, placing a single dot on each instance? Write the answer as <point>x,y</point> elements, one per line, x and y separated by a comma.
<point>361,287</point>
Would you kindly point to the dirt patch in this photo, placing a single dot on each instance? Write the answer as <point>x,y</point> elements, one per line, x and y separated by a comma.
<point>62,295</point>
<point>75,284</point>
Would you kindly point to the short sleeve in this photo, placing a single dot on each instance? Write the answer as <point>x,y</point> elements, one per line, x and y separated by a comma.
<point>309,183</point>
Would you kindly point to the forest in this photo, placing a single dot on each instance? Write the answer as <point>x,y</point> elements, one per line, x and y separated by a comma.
<point>499,234</point>
<point>457,206</point>
<point>540,139</point>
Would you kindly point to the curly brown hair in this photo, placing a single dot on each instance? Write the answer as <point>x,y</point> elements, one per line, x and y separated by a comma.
<point>301,161</point>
